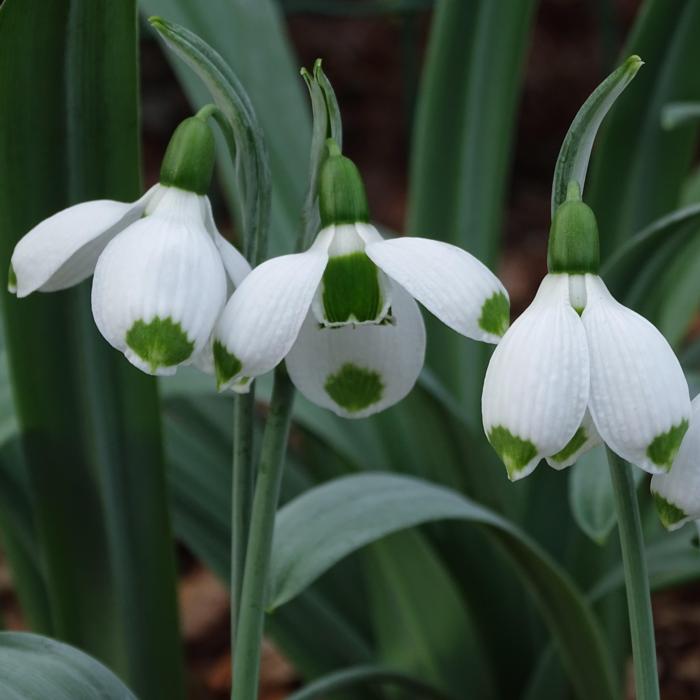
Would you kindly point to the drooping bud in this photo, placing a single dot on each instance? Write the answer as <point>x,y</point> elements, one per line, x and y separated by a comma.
<point>341,192</point>
<point>573,237</point>
<point>189,159</point>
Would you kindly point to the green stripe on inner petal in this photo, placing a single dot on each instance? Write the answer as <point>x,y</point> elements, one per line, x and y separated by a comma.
<point>351,290</point>
<point>669,514</point>
<point>495,314</point>
<point>160,342</point>
<point>354,388</point>
<point>573,446</point>
<point>515,452</point>
<point>226,364</point>
<point>663,448</point>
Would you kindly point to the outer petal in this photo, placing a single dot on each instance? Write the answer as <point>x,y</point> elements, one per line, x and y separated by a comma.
<point>536,386</point>
<point>262,319</point>
<point>452,284</point>
<point>160,285</point>
<point>677,494</point>
<point>584,439</point>
<point>356,371</point>
<point>639,395</point>
<point>235,264</point>
<point>62,250</point>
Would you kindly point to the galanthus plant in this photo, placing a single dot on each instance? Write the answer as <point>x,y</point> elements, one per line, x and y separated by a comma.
<point>161,268</point>
<point>677,494</point>
<point>343,313</point>
<point>578,368</point>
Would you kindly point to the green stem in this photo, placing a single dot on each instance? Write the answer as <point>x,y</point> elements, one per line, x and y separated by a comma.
<point>241,496</point>
<point>636,579</point>
<point>246,663</point>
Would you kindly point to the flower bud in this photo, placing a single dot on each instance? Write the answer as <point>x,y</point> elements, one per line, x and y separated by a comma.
<point>573,237</point>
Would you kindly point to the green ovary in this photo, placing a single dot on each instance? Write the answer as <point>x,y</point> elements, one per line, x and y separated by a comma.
<point>354,388</point>
<point>160,343</point>
<point>495,314</point>
<point>351,291</point>
<point>663,449</point>
<point>226,364</point>
<point>669,514</point>
<point>573,446</point>
<point>515,452</point>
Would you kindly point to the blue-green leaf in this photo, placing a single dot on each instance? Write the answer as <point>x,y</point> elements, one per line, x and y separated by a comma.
<point>325,524</point>
<point>38,667</point>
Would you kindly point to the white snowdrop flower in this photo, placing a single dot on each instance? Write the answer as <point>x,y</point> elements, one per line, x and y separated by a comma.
<point>578,367</point>
<point>160,265</point>
<point>677,494</point>
<point>343,312</point>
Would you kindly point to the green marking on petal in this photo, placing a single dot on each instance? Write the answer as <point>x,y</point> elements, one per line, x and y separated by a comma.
<point>514,451</point>
<point>161,343</point>
<point>579,310</point>
<point>351,291</point>
<point>669,514</point>
<point>495,314</point>
<point>662,450</point>
<point>354,388</point>
<point>226,364</point>
<point>11,280</point>
<point>573,446</point>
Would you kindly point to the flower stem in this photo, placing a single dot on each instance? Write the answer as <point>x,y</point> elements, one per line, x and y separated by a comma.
<point>636,579</point>
<point>241,496</point>
<point>246,663</point>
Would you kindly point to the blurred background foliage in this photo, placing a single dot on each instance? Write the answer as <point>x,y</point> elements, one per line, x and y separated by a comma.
<point>454,110</point>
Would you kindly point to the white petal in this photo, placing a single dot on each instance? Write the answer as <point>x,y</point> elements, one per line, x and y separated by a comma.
<point>62,250</point>
<point>262,319</point>
<point>162,270</point>
<point>356,371</point>
<point>677,494</point>
<point>639,395</point>
<point>235,264</point>
<point>449,282</point>
<point>536,385</point>
<point>585,438</point>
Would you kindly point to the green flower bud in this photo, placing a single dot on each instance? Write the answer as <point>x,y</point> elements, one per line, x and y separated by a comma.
<point>189,159</point>
<point>573,237</point>
<point>341,193</point>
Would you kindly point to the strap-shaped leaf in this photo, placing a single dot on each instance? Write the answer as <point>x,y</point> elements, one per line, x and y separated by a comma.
<point>329,522</point>
<point>575,153</point>
<point>243,134</point>
<point>38,667</point>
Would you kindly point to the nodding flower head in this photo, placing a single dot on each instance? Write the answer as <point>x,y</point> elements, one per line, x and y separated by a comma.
<point>577,368</point>
<point>344,313</point>
<point>161,268</point>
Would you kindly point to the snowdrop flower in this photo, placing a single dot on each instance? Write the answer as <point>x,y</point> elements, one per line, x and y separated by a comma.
<point>160,265</point>
<point>677,494</point>
<point>578,367</point>
<point>343,312</point>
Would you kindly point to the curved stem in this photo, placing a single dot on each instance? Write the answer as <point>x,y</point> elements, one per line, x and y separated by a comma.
<point>246,662</point>
<point>241,496</point>
<point>646,676</point>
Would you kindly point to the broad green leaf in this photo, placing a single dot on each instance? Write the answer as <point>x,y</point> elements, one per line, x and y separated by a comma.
<point>244,138</point>
<point>575,152</point>
<point>361,509</point>
<point>638,168</point>
<point>591,497</point>
<point>366,675</point>
<point>38,667</point>
<point>251,39</point>
<point>678,113</point>
<point>438,642</point>
<point>89,421</point>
